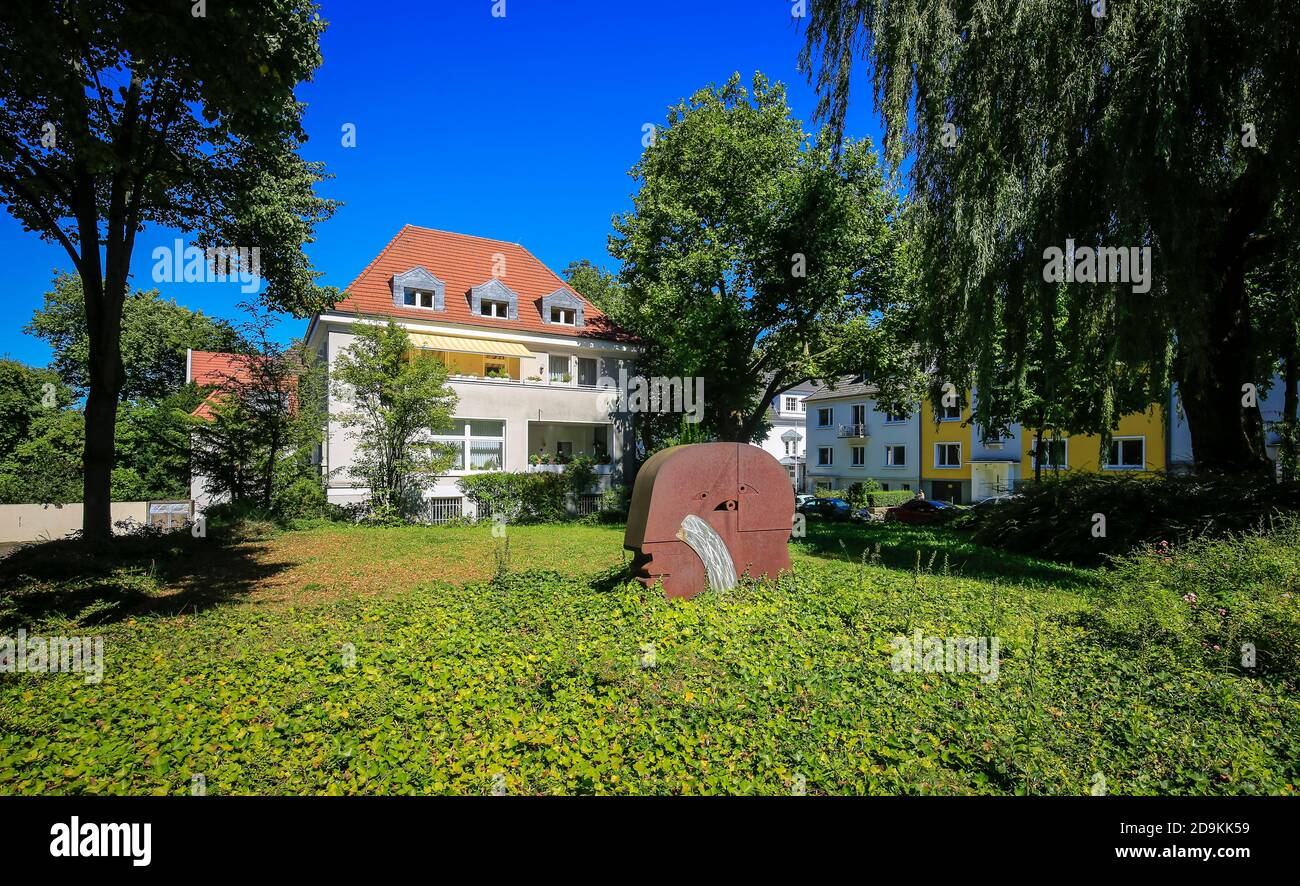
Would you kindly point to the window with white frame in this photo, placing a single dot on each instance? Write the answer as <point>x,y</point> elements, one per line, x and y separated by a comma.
<point>825,416</point>
<point>859,414</point>
<point>793,404</point>
<point>559,369</point>
<point>859,456</point>
<point>563,316</point>
<point>492,308</point>
<point>825,456</point>
<point>947,455</point>
<point>587,371</point>
<point>417,298</point>
<point>475,444</point>
<point>1056,454</point>
<point>895,455</point>
<point>893,418</point>
<point>950,413</point>
<point>1126,454</point>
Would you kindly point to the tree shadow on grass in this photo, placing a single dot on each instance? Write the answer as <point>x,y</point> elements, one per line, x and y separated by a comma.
<point>899,545</point>
<point>97,583</point>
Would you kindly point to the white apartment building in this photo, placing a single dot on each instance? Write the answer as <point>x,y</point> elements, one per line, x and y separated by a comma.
<point>787,439</point>
<point>851,441</point>
<point>525,355</point>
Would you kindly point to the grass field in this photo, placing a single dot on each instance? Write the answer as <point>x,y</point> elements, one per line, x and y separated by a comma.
<point>409,660</point>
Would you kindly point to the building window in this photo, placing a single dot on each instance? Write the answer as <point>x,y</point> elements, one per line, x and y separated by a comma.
<point>884,487</point>
<point>825,456</point>
<point>825,416</point>
<point>947,455</point>
<point>950,413</point>
<point>792,447</point>
<point>498,309</point>
<point>859,456</point>
<point>1056,454</point>
<point>417,298</point>
<point>823,486</point>
<point>587,371</point>
<point>1126,454</point>
<point>893,418</point>
<point>895,456</point>
<point>907,487</point>
<point>793,404</point>
<point>559,370</point>
<point>475,444</point>
<point>563,316</point>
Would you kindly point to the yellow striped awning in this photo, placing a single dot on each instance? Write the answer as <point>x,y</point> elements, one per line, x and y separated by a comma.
<point>469,345</point>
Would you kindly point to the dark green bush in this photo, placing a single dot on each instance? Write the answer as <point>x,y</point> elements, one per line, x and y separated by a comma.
<point>1056,517</point>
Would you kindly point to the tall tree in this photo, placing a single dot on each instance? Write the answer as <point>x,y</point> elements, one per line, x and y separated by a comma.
<point>261,420</point>
<point>398,398</point>
<point>155,335</point>
<point>1166,124</point>
<point>750,259</point>
<point>118,114</point>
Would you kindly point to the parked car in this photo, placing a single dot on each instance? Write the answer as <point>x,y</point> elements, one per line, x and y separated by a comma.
<point>830,508</point>
<point>802,499</point>
<point>993,501</point>
<point>866,515</point>
<point>922,510</point>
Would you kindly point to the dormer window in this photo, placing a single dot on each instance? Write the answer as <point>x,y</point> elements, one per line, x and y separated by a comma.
<point>417,288</point>
<point>499,309</point>
<point>562,308</point>
<point>418,298</point>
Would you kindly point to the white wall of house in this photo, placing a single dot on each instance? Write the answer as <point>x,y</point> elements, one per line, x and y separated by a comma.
<point>788,438</point>
<point>841,436</point>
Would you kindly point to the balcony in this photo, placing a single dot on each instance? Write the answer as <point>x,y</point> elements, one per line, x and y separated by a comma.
<point>852,432</point>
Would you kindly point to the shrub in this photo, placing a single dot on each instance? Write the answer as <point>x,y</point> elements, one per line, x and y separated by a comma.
<point>1055,518</point>
<point>519,498</point>
<point>1210,596</point>
<point>882,499</point>
<point>302,499</point>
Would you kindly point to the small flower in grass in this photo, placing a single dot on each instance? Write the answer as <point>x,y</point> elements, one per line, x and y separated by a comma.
<point>1190,597</point>
<point>1215,647</point>
<point>1222,611</point>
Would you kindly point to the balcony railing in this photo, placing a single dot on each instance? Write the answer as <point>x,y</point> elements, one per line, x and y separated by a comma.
<point>849,432</point>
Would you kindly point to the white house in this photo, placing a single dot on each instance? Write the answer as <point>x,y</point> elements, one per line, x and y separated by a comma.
<point>850,440</point>
<point>525,354</point>
<point>787,439</point>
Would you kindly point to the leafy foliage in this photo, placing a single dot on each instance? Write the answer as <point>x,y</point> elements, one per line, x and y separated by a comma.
<point>538,676</point>
<point>1163,124</point>
<point>1055,518</point>
<point>518,497</point>
<point>751,259</point>
<point>396,396</point>
<point>155,335</point>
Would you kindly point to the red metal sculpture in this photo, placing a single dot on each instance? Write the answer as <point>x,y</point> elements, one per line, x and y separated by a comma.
<point>704,514</point>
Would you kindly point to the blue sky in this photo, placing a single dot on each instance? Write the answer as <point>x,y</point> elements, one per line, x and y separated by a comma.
<point>521,128</point>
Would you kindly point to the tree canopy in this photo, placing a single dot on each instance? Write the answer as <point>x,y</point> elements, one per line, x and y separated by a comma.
<point>118,115</point>
<point>1167,125</point>
<point>750,258</point>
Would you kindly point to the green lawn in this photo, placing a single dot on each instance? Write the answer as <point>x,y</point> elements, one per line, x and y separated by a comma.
<point>474,666</point>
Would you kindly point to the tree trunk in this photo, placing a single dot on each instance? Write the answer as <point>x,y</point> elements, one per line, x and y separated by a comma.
<point>1227,435</point>
<point>104,327</point>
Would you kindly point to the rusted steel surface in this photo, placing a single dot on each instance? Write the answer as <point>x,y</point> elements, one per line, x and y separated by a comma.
<point>741,492</point>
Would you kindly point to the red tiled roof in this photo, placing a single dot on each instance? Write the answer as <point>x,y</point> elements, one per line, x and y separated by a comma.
<point>463,262</point>
<point>220,372</point>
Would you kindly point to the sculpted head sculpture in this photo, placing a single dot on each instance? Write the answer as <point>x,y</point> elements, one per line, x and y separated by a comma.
<point>705,514</point>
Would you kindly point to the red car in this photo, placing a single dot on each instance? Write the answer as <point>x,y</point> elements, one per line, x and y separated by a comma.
<point>921,510</point>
